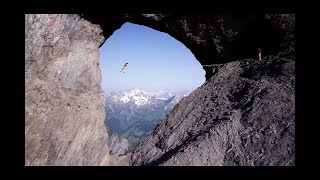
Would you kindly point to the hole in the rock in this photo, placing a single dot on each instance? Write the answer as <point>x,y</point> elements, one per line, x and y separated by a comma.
<point>160,71</point>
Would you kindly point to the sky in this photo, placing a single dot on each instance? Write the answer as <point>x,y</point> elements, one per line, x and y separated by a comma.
<point>155,61</point>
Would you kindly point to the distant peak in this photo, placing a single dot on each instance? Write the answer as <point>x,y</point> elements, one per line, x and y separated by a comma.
<point>136,91</point>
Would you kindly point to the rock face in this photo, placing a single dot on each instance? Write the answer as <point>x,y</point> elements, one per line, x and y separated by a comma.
<point>243,115</point>
<point>64,103</point>
<point>117,144</point>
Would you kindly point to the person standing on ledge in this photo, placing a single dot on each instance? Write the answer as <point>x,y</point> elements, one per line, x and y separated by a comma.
<point>259,52</point>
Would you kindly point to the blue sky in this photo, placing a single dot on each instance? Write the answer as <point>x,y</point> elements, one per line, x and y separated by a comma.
<point>156,61</point>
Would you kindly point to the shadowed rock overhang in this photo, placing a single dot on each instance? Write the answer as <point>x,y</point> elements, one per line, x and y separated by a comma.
<point>213,39</point>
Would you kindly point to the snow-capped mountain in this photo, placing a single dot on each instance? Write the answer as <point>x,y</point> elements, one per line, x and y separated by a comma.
<point>168,93</point>
<point>136,96</point>
<point>134,113</point>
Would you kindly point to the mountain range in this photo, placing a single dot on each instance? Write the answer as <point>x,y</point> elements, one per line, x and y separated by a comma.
<point>134,113</point>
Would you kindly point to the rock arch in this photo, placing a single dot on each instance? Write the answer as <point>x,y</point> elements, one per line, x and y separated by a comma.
<point>63,98</point>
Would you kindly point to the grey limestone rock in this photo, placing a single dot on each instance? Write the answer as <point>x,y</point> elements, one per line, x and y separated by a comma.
<point>242,116</point>
<point>64,103</point>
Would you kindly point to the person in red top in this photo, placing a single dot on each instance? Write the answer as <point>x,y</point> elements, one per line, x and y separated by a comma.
<point>124,66</point>
<point>259,52</point>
